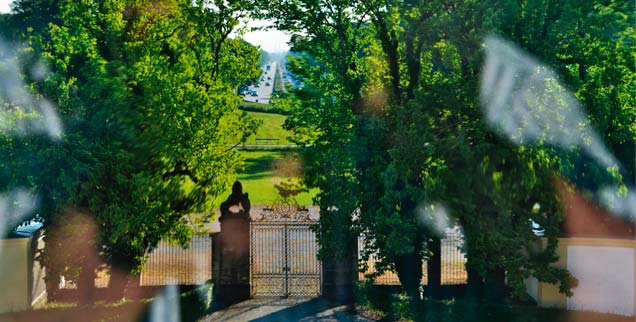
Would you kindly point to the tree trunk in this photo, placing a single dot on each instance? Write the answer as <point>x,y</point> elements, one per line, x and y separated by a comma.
<point>409,271</point>
<point>52,282</point>
<point>496,285</point>
<point>86,282</point>
<point>434,269</point>
<point>474,283</point>
<point>474,280</point>
<point>117,285</point>
<point>120,271</point>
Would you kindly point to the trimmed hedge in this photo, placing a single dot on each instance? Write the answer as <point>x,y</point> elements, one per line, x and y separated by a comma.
<point>263,108</point>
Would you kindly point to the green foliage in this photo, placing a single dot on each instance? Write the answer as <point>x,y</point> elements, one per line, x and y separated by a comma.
<point>370,297</point>
<point>591,45</point>
<point>265,58</point>
<point>197,303</point>
<point>391,118</point>
<point>236,65</point>
<point>395,306</point>
<point>145,91</point>
<point>278,84</point>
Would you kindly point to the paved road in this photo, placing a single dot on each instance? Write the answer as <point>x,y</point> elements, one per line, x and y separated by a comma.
<point>264,91</point>
<point>275,310</point>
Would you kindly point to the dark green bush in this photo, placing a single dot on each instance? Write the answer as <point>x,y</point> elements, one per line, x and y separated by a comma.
<point>395,306</point>
<point>196,303</point>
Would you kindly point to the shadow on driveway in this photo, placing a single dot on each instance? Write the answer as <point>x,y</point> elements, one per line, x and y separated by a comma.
<point>280,309</point>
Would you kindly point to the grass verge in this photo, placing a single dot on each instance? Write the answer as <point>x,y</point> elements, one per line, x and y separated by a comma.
<point>193,304</point>
<point>272,128</point>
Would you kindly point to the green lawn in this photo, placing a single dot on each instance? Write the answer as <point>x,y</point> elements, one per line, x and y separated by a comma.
<point>195,303</point>
<point>272,128</point>
<point>264,169</point>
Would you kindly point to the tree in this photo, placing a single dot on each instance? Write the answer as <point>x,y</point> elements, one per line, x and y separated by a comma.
<point>591,46</point>
<point>393,125</point>
<point>332,46</point>
<point>265,58</point>
<point>347,65</point>
<point>353,125</point>
<point>146,94</point>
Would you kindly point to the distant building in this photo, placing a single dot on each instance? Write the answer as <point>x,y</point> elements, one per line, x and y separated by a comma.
<point>598,249</point>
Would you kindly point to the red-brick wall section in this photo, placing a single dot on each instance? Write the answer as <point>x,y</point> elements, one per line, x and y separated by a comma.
<point>583,218</point>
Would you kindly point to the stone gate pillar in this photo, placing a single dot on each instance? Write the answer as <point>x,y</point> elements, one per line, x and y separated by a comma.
<point>231,248</point>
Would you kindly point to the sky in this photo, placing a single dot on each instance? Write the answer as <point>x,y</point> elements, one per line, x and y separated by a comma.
<point>4,6</point>
<point>269,40</point>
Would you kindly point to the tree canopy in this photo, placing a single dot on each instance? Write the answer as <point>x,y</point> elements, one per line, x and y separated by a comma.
<point>394,126</point>
<point>145,91</point>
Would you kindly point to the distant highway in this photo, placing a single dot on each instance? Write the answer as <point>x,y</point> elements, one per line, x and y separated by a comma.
<point>263,90</point>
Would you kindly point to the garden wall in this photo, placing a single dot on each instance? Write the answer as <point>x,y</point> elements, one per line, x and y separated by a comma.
<point>605,271</point>
<point>598,248</point>
<point>21,277</point>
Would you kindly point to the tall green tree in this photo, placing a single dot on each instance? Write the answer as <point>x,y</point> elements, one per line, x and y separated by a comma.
<point>332,44</point>
<point>145,90</point>
<point>591,46</point>
<point>393,124</point>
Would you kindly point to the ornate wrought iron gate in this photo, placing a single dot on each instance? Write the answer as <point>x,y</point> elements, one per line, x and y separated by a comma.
<point>283,255</point>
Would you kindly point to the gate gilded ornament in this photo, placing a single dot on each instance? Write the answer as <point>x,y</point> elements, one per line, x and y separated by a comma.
<point>283,253</point>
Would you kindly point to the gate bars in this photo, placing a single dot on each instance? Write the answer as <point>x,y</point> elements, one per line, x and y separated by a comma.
<point>453,262</point>
<point>283,256</point>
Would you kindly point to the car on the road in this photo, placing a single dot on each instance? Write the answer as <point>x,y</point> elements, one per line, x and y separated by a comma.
<point>267,84</point>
